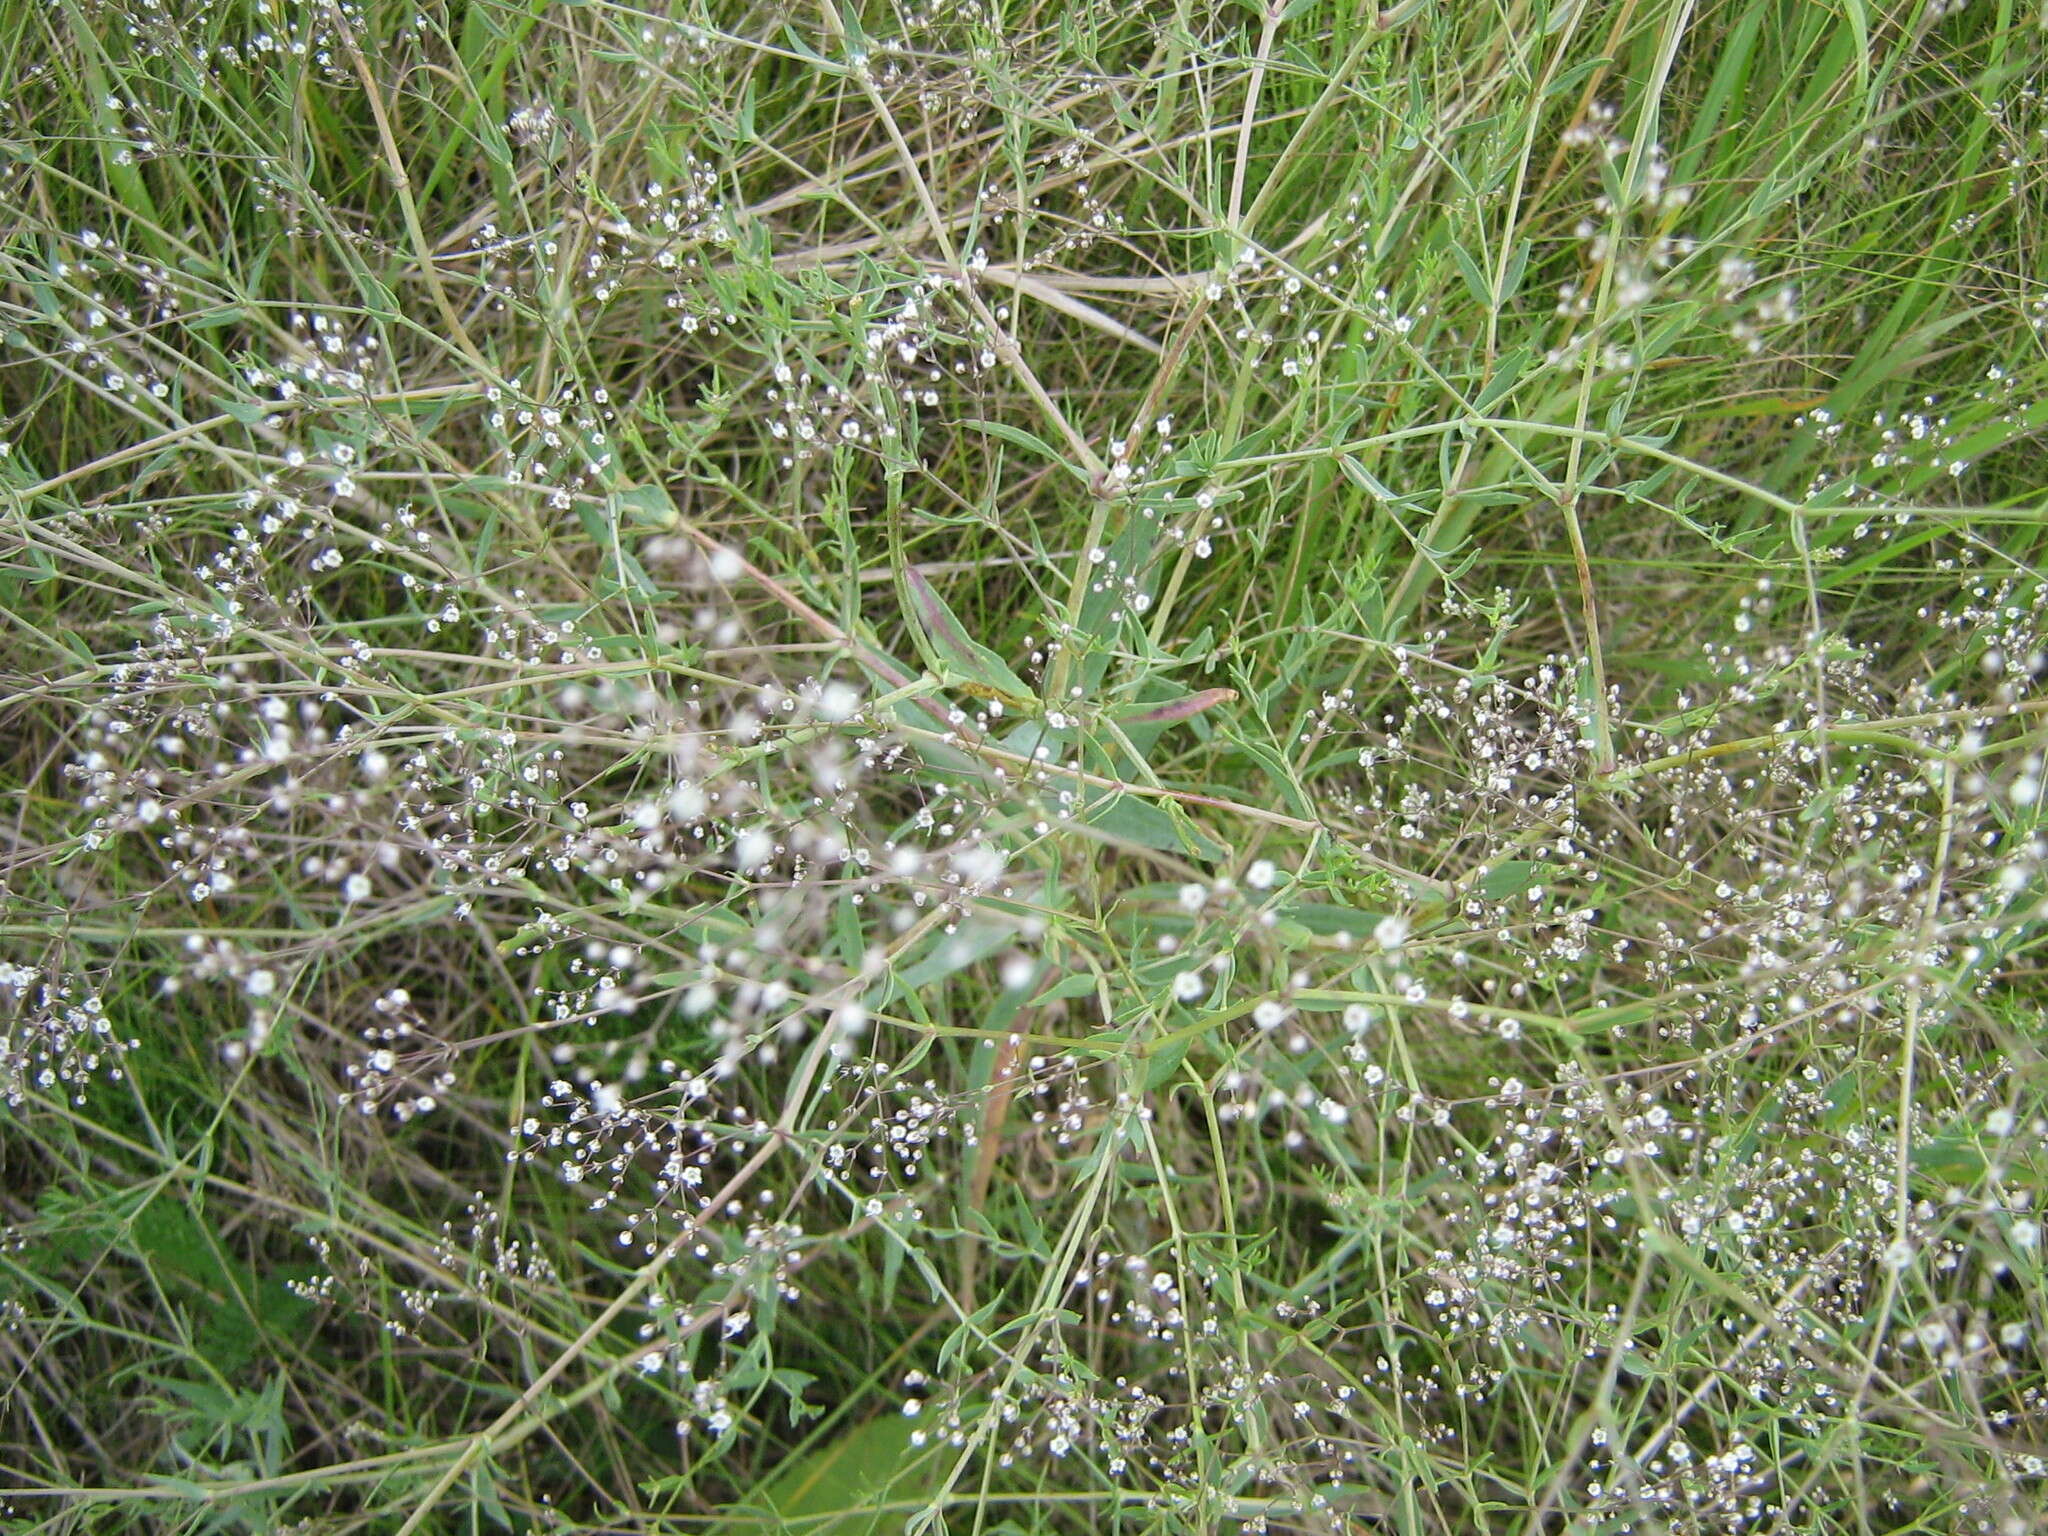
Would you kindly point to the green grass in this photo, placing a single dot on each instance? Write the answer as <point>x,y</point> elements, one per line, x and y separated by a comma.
<point>1022,768</point>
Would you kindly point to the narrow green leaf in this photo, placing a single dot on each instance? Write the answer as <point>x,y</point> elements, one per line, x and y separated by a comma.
<point>646,506</point>
<point>1475,280</point>
<point>1026,440</point>
<point>1507,373</point>
<point>966,663</point>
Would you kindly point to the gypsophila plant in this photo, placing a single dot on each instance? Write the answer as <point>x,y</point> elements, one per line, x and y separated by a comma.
<point>969,767</point>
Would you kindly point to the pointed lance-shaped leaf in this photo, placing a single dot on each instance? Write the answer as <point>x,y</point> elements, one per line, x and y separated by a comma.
<point>1177,709</point>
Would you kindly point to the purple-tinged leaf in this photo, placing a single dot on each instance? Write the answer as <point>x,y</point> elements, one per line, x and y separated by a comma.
<point>1179,709</point>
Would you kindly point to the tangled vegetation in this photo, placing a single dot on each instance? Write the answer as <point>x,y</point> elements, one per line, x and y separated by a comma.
<point>1018,766</point>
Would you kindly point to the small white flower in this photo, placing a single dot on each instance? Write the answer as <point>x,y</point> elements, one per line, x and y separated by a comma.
<point>838,701</point>
<point>1391,932</point>
<point>1261,875</point>
<point>753,848</point>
